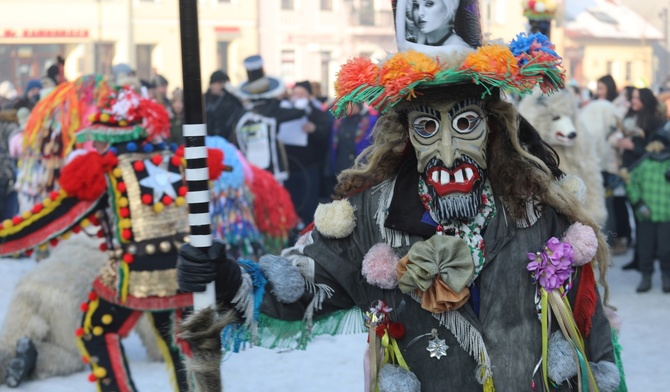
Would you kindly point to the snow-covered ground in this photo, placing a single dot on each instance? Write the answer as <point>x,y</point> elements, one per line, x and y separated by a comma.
<point>334,364</point>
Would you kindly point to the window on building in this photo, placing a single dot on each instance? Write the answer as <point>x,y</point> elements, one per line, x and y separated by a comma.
<point>603,17</point>
<point>367,13</point>
<point>104,58</point>
<point>325,72</point>
<point>287,4</point>
<point>629,71</point>
<point>222,48</point>
<point>609,67</point>
<point>288,64</point>
<point>326,5</point>
<point>143,58</point>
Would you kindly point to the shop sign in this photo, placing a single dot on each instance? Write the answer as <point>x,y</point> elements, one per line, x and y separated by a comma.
<point>44,33</point>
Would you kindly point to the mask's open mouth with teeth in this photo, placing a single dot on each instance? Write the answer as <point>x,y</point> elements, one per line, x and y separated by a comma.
<point>459,179</point>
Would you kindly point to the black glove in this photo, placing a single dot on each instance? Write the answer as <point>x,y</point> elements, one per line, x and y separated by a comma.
<point>195,269</point>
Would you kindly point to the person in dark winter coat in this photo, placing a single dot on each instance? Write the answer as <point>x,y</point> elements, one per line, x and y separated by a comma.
<point>222,109</point>
<point>351,134</point>
<point>8,201</point>
<point>305,163</point>
<point>31,95</point>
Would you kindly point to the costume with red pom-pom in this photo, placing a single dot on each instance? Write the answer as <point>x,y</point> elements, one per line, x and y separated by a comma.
<point>135,190</point>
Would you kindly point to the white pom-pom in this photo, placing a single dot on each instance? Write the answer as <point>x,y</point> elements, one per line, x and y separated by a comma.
<point>336,219</point>
<point>379,266</point>
<point>396,379</point>
<point>575,185</point>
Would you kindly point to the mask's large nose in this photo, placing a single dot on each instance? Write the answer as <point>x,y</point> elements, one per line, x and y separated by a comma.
<point>447,151</point>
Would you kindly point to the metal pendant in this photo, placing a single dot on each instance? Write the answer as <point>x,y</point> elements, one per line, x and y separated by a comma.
<point>437,347</point>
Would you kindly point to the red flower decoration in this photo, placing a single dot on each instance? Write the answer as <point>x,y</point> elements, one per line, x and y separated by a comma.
<point>380,330</point>
<point>396,330</point>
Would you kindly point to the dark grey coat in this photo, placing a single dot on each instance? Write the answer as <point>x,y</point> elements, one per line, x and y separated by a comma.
<point>507,320</point>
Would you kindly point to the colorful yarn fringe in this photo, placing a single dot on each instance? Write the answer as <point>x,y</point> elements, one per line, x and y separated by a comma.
<point>67,108</point>
<point>273,209</point>
<point>267,332</point>
<point>556,302</point>
<point>527,61</point>
<point>49,135</point>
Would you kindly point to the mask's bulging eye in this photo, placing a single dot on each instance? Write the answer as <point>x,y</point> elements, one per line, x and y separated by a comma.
<point>426,126</point>
<point>466,122</point>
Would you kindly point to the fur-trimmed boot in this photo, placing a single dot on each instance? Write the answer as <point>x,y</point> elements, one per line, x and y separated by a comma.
<point>22,364</point>
<point>202,331</point>
<point>645,284</point>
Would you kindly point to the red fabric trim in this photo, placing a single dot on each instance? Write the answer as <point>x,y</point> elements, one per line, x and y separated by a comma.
<point>49,231</point>
<point>128,325</point>
<point>113,343</point>
<point>184,347</point>
<point>150,303</point>
<point>585,303</point>
<point>307,229</point>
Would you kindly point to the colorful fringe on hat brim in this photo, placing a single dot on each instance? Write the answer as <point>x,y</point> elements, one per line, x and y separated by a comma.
<point>527,62</point>
<point>110,134</point>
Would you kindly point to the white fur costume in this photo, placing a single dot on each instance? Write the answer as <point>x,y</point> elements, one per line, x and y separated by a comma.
<point>45,308</point>
<point>555,118</point>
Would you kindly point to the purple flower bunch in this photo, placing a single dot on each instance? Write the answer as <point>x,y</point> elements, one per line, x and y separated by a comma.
<point>553,265</point>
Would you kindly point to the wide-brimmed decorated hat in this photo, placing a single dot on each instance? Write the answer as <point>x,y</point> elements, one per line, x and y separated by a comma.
<point>258,85</point>
<point>123,116</point>
<point>440,44</point>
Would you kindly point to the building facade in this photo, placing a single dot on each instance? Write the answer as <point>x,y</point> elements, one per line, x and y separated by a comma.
<point>93,35</point>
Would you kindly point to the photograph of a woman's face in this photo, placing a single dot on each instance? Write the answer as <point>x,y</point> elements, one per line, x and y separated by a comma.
<point>427,23</point>
<point>433,20</point>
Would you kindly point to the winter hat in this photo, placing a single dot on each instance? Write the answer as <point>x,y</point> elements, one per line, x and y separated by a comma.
<point>306,85</point>
<point>160,81</point>
<point>444,47</point>
<point>35,83</point>
<point>218,76</point>
<point>259,85</point>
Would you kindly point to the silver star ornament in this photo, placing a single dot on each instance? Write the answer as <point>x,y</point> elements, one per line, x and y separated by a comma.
<point>437,348</point>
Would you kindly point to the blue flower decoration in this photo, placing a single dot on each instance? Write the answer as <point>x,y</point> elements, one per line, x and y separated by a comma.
<point>526,44</point>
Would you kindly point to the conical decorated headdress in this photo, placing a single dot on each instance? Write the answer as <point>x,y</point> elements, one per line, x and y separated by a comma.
<point>123,116</point>
<point>439,44</point>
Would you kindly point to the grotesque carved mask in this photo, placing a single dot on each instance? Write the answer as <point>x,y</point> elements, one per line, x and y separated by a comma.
<point>449,139</point>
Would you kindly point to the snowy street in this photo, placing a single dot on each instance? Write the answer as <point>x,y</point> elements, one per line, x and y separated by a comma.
<point>335,364</point>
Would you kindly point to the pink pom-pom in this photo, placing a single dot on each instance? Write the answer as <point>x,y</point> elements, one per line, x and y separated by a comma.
<point>379,266</point>
<point>584,242</point>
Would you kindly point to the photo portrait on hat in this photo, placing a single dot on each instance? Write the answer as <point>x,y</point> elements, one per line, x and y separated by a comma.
<point>259,85</point>
<point>436,26</point>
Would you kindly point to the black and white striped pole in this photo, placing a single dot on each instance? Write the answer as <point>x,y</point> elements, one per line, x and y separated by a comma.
<point>195,130</point>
